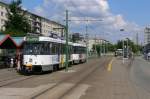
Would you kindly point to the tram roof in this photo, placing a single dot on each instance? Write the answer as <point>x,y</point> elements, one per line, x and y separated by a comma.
<point>59,41</point>
<point>78,44</point>
<point>51,39</point>
<point>55,40</point>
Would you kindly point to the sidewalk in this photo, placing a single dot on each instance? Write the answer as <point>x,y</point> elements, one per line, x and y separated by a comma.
<point>140,74</point>
<point>114,84</point>
<point>123,86</point>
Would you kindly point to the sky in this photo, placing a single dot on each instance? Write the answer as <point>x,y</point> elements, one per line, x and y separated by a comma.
<point>130,15</point>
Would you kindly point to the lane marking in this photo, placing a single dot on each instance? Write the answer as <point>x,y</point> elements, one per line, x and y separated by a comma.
<point>110,65</point>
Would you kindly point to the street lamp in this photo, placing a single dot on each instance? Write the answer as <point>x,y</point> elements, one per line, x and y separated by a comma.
<point>123,46</point>
<point>122,30</point>
<point>104,44</point>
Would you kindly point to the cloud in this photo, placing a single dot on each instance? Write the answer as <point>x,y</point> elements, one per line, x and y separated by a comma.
<point>92,9</point>
<point>6,1</point>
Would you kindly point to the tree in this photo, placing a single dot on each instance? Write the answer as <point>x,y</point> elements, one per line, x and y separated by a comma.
<point>17,24</point>
<point>99,48</point>
<point>119,45</point>
<point>135,48</point>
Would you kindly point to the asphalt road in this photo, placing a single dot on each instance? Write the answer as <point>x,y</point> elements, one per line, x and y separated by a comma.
<point>75,87</point>
<point>140,73</point>
<point>27,87</point>
<point>101,78</point>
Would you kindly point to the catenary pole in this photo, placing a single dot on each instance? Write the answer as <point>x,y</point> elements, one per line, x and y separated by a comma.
<point>66,47</point>
<point>87,42</point>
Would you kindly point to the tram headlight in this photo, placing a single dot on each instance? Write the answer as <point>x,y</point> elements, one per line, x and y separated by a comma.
<point>28,65</point>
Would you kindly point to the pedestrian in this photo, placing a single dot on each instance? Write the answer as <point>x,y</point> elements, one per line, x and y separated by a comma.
<point>7,60</point>
<point>19,62</point>
<point>11,63</point>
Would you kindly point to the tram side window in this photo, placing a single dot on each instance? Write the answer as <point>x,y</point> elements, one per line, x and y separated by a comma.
<point>50,48</point>
<point>62,48</point>
<point>80,50</point>
<point>55,48</point>
<point>71,49</point>
<point>45,49</point>
<point>59,48</point>
<point>76,50</point>
<point>84,51</point>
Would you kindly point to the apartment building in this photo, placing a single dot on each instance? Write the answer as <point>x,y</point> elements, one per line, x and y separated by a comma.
<point>94,41</point>
<point>39,24</point>
<point>35,22</point>
<point>49,27</point>
<point>147,35</point>
<point>3,15</point>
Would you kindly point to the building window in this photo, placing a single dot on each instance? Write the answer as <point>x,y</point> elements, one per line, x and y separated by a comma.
<point>3,21</point>
<point>2,13</point>
<point>6,15</point>
<point>2,7</point>
<point>3,28</point>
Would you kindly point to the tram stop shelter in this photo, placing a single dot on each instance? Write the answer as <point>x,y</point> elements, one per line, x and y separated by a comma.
<point>9,48</point>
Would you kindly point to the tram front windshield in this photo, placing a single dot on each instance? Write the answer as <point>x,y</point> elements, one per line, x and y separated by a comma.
<point>37,48</point>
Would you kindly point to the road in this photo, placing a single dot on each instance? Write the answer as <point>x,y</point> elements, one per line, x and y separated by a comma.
<point>102,78</point>
<point>140,74</point>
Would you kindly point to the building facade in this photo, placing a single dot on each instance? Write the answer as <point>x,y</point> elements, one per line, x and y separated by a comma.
<point>94,41</point>
<point>35,22</point>
<point>39,25</point>
<point>3,15</point>
<point>147,35</point>
<point>48,27</point>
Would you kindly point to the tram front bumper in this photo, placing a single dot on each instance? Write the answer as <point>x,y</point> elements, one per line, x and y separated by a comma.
<point>27,67</point>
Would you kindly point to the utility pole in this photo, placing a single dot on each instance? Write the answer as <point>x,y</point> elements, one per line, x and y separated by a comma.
<point>87,43</point>
<point>123,50</point>
<point>137,39</point>
<point>104,46</point>
<point>100,49</point>
<point>95,50</point>
<point>66,48</point>
<point>127,48</point>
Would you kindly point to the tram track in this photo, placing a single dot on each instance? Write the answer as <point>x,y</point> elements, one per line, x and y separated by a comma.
<point>83,79</point>
<point>76,79</point>
<point>16,79</point>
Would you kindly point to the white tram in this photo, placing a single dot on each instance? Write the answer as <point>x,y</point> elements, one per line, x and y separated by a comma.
<point>48,54</point>
<point>79,53</point>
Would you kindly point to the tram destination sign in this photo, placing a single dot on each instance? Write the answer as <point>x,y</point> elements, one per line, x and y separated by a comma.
<point>33,39</point>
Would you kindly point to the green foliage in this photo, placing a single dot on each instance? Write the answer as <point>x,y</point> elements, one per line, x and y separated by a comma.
<point>17,24</point>
<point>100,48</point>
<point>15,33</point>
<point>119,45</point>
<point>111,47</point>
<point>132,46</point>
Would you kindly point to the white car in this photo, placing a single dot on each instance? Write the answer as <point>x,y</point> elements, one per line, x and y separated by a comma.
<point>148,56</point>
